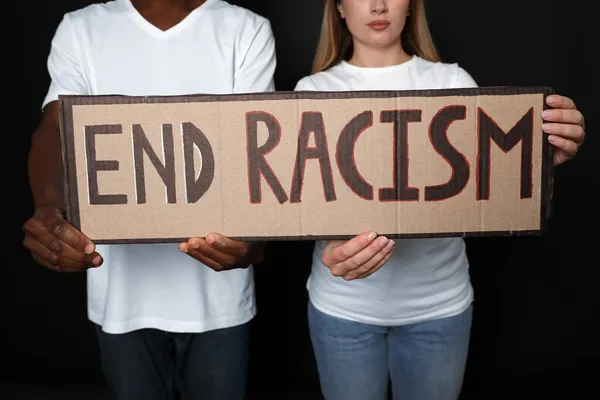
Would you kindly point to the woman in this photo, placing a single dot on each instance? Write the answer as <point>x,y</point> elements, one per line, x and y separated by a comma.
<point>411,317</point>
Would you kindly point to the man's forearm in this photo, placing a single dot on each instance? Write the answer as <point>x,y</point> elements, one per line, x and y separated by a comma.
<point>46,175</point>
<point>45,163</point>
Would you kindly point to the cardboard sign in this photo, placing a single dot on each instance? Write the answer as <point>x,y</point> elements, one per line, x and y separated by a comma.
<point>307,165</point>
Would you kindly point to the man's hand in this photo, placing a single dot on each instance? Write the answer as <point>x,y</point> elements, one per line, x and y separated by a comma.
<point>220,253</point>
<point>58,245</point>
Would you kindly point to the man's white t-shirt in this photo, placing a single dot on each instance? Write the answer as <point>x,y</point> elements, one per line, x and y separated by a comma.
<point>110,48</point>
<point>425,278</point>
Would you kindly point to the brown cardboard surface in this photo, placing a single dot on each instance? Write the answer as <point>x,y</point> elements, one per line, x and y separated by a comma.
<point>307,165</point>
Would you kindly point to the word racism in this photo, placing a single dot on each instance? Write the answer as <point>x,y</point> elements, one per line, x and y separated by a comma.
<point>307,165</point>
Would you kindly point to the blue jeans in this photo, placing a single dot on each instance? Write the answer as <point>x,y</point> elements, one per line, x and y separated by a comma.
<point>149,364</point>
<point>425,361</point>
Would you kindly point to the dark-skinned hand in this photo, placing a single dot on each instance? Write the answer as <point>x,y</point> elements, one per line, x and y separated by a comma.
<point>56,244</point>
<point>220,253</point>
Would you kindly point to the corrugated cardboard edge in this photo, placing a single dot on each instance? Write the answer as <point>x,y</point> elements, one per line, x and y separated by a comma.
<point>547,177</point>
<point>66,103</point>
<point>71,199</point>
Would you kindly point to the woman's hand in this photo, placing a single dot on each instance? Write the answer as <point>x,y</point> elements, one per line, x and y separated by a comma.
<point>359,257</point>
<point>565,127</point>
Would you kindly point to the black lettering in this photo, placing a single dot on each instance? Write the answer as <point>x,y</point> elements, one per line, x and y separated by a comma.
<point>93,165</point>
<point>400,191</point>
<point>521,132</point>
<point>166,172</point>
<point>312,122</point>
<point>257,165</point>
<point>196,188</point>
<point>345,154</point>
<point>438,135</point>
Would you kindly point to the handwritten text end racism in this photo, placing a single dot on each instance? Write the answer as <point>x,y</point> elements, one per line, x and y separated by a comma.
<point>313,126</point>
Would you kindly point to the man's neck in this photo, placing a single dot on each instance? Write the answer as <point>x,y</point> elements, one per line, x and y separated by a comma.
<point>167,4</point>
<point>165,14</point>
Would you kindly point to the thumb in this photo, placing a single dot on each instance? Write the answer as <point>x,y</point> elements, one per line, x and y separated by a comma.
<point>331,245</point>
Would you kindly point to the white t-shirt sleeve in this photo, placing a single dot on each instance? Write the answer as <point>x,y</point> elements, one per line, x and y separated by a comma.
<point>305,83</point>
<point>256,70</point>
<point>462,79</point>
<point>66,75</point>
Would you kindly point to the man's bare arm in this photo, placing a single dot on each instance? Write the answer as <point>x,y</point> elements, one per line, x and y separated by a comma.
<point>53,242</point>
<point>45,161</point>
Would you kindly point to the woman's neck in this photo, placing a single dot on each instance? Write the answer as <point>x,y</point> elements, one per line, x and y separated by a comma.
<point>370,57</point>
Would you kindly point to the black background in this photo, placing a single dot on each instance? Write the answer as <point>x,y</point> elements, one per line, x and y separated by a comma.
<point>537,298</point>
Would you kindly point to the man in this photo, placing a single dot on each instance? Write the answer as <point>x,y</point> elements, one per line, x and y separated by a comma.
<point>163,318</point>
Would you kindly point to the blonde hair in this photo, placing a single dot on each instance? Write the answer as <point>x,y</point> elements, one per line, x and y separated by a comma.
<point>335,43</point>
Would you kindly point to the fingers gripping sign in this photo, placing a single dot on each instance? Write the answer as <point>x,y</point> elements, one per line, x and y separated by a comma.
<point>359,257</point>
<point>565,126</point>
<point>57,245</point>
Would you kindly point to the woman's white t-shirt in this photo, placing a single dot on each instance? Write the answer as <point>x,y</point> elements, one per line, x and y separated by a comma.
<point>425,278</point>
